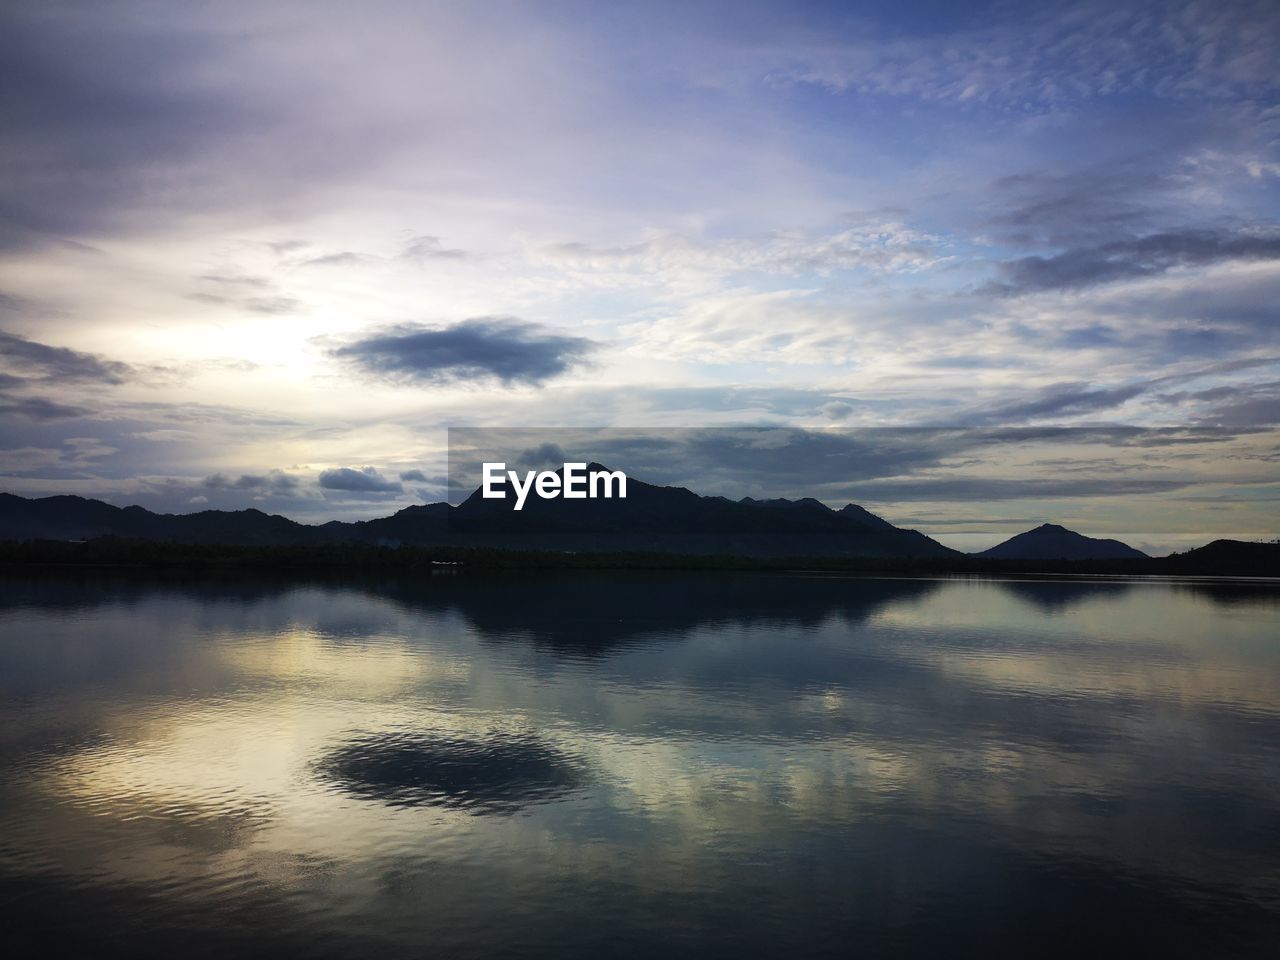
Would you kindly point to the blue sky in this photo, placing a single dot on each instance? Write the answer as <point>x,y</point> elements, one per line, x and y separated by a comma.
<point>250,250</point>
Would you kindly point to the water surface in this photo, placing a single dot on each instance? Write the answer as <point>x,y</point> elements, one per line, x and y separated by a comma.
<point>640,764</point>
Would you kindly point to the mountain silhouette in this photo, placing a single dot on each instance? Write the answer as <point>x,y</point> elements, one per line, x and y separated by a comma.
<point>650,518</point>
<point>661,519</point>
<point>79,518</point>
<point>1052,542</point>
<point>1238,557</point>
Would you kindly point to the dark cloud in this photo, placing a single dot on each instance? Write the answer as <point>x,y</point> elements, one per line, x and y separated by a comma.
<point>61,363</point>
<point>1081,207</point>
<point>1246,302</point>
<point>501,348</point>
<point>276,481</point>
<point>1076,398</point>
<point>1211,393</point>
<point>1130,258</point>
<point>1242,407</point>
<point>1058,400</point>
<point>38,408</point>
<point>413,475</point>
<point>364,481</point>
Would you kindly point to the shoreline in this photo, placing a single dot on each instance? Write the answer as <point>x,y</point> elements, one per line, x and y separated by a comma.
<point>1259,562</point>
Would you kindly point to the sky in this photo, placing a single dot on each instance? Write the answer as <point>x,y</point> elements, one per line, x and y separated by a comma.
<point>266,255</point>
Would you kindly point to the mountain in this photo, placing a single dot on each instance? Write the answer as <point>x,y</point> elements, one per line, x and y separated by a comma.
<point>650,519</point>
<point>78,518</point>
<point>1223,557</point>
<point>676,520</point>
<point>1052,542</point>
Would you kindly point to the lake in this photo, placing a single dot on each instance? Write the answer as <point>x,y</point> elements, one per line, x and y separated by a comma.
<point>635,764</point>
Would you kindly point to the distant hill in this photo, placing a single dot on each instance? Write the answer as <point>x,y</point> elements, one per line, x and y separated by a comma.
<point>650,519</point>
<point>1225,557</point>
<point>1052,542</point>
<point>78,518</point>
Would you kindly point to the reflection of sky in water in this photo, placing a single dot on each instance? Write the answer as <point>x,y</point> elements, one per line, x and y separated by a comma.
<point>736,760</point>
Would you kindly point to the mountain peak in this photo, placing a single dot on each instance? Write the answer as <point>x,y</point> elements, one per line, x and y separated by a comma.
<point>851,511</point>
<point>1050,541</point>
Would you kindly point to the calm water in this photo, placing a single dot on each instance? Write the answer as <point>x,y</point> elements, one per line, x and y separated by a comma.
<point>615,765</point>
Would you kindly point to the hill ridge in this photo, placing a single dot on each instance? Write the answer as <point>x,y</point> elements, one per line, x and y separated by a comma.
<point>652,518</point>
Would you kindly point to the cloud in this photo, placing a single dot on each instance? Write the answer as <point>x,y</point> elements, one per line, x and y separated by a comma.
<point>39,408</point>
<point>426,247</point>
<point>1056,56</point>
<point>265,305</point>
<point>877,246</point>
<point>987,489</point>
<point>1081,206</point>
<point>413,475</point>
<point>363,481</point>
<point>487,348</point>
<point>1244,407</point>
<point>213,151</point>
<point>543,455</point>
<point>237,280</point>
<point>718,459</point>
<point>1058,400</point>
<point>276,481</point>
<point>60,363</point>
<point>1127,259</point>
<point>345,258</point>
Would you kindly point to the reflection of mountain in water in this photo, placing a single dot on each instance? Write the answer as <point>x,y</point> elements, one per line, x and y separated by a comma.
<point>498,773</point>
<point>1053,596</point>
<point>597,612</point>
<point>1233,593</point>
<point>583,612</point>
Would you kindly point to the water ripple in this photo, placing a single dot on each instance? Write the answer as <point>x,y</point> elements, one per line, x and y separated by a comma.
<point>497,773</point>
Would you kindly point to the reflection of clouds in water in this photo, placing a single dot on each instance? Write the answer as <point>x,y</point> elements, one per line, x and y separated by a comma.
<point>744,716</point>
<point>378,667</point>
<point>1192,644</point>
<point>497,773</point>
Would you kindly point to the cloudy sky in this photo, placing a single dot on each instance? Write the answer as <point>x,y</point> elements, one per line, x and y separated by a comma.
<point>266,254</point>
